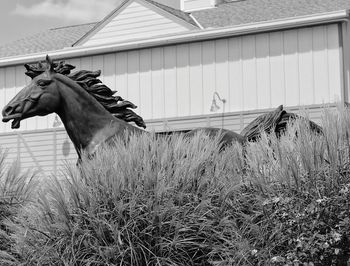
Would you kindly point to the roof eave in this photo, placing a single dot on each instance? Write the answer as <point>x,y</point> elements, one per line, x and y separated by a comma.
<point>199,35</point>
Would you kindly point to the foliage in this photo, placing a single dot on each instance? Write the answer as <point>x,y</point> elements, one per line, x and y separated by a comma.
<point>176,201</point>
<point>16,191</point>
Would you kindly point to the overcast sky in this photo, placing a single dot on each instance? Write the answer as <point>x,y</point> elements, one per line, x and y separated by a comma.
<point>19,18</point>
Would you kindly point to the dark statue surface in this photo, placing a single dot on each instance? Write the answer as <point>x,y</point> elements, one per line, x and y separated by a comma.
<point>92,114</point>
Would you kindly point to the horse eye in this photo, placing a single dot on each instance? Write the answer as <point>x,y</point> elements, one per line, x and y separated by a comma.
<point>43,82</point>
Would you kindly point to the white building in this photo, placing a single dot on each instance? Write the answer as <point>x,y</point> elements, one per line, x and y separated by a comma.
<point>170,56</point>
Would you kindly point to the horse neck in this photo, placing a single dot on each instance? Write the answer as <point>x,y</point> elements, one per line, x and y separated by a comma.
<point>87,122</point>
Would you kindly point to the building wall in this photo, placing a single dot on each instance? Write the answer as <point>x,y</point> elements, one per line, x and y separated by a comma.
<point>293,67</point>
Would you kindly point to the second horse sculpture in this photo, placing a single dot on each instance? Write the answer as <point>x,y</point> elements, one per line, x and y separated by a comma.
<point>92,115</point>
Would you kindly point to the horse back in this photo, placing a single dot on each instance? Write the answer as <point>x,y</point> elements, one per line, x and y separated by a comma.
<point>227,137</point>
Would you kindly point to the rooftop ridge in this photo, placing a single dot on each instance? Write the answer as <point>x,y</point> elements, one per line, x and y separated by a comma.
<point>72,26</point>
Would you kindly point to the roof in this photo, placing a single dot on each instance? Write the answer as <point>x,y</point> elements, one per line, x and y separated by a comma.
<point>252,11</point>
<point>226,14</point>
<point>45,41</point>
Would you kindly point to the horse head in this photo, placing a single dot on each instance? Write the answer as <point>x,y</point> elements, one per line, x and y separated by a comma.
<point>40,97</point>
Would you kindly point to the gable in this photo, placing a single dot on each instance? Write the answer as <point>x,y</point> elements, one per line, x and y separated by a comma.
<point>136,19</point>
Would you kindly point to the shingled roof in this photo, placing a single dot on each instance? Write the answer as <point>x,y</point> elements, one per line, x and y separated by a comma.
<point>45,41</point>
<point>252,11</point>
<point>226,14</point>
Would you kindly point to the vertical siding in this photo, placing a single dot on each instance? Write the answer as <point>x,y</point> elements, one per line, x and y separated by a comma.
<point>222,73</point>
<point>183,80</point>
<point>249,73</point>
<point>208,74</point>
<point>334,67</point>
<point>291,68</point>
<point>170,92</point>
<point>306,79</point>
<point>86,63</point>
<point>122,74</point>
<point>263,71</point>
<point>320,61</point>
<point>98,64</point>
<point>137,20</point>
<point>236,75</point>
<point>277,70</point>
<point>346,51</point>
<point>158,83</point>
<point>109,70</point>
<point>146,101</point>
<point>294,67</point>
<point>134,76</point>
<point>196,80</point>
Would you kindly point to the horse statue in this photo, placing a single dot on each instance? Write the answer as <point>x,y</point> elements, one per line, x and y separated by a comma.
<point>92,115</point>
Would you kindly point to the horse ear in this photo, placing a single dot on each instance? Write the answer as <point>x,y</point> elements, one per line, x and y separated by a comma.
<point>50,63</point>
<point>30,73</point>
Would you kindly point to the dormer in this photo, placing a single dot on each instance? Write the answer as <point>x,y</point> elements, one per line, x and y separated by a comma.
<point>188,5</point>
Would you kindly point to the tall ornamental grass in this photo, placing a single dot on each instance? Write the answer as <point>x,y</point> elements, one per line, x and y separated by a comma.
<point>17,190</point>
<point>176,201</point>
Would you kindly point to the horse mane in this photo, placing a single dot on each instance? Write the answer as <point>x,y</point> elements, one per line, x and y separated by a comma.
<point>89,81</point>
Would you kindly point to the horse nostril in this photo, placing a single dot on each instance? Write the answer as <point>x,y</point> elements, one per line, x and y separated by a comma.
<point>8,110</point>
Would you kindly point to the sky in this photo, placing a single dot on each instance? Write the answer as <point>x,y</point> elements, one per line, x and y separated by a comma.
<point>20,18</point>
